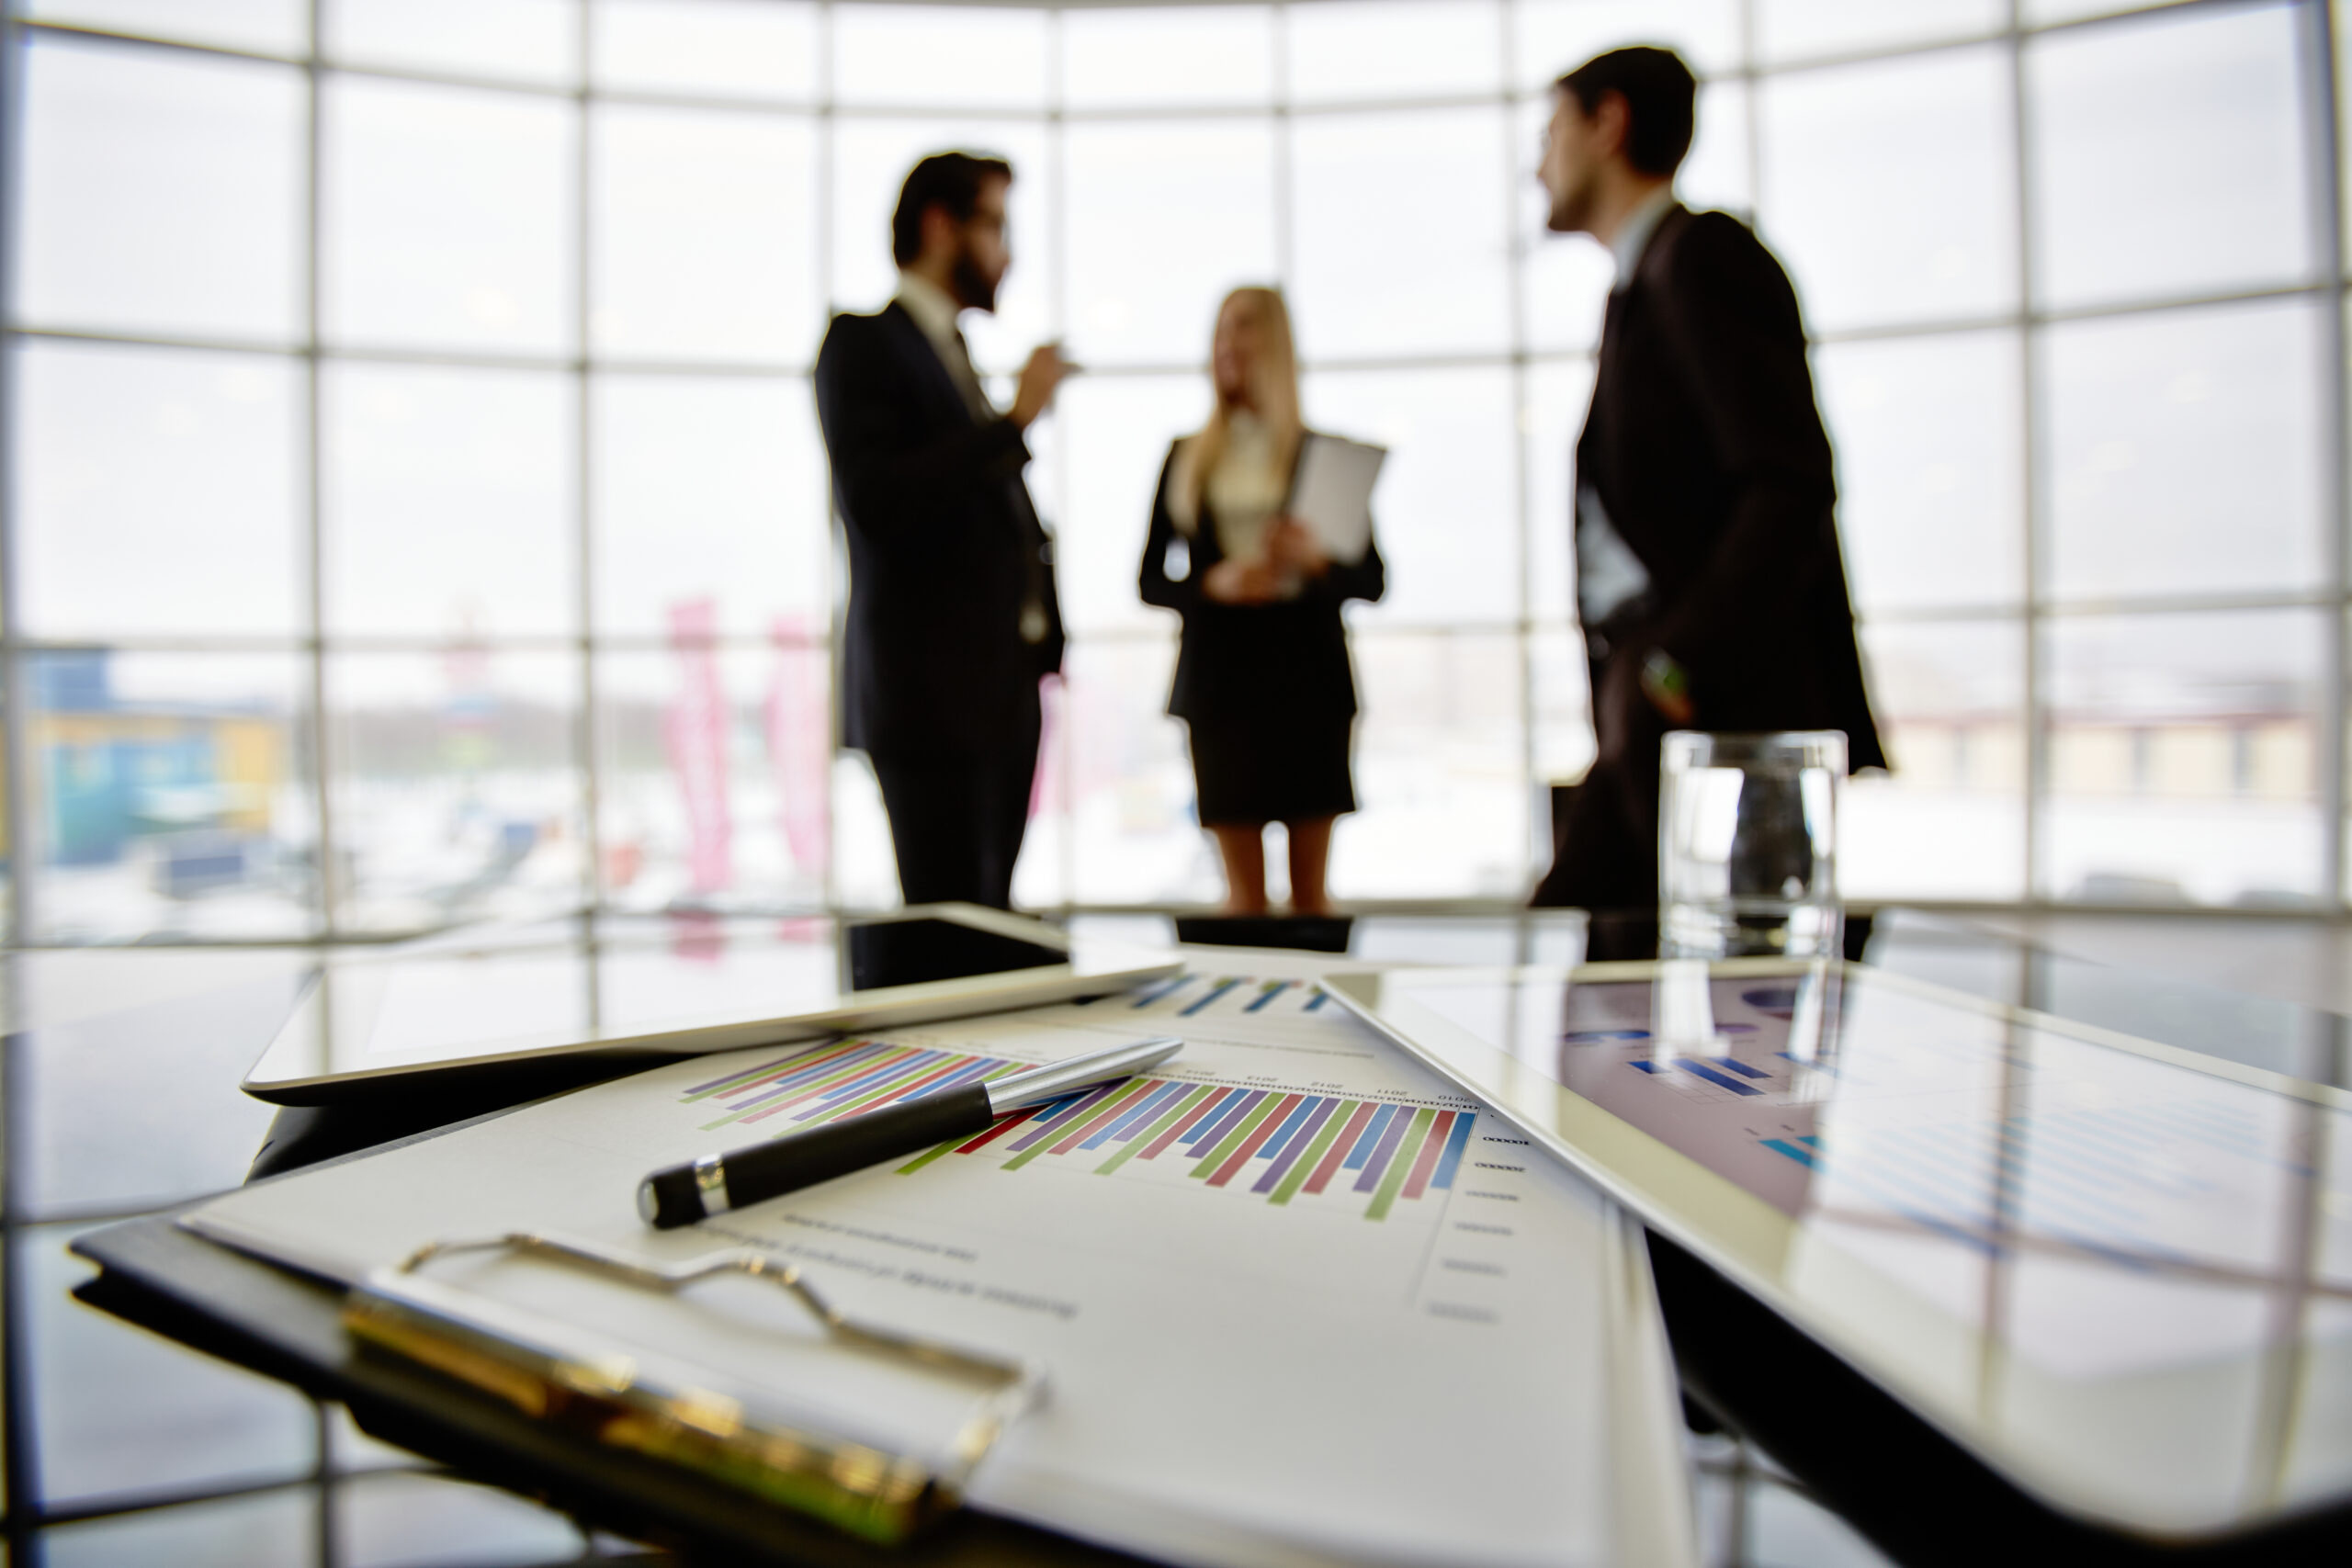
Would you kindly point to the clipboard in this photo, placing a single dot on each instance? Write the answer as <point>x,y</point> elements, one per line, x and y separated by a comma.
<point>555,1371</point>
<point>1330,493</point>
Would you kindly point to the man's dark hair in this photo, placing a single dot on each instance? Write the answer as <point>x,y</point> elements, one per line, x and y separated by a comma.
<point>1661,97</point>
<point>952,180</point>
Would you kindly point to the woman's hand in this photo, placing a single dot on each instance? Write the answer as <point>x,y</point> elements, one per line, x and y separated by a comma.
<point>1292,546</point>
<point>1252,579</point>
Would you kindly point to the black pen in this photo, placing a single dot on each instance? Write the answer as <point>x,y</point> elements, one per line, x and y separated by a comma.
<point>715,1183</point>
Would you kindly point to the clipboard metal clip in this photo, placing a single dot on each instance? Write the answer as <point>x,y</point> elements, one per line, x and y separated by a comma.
<point>554,1371</point>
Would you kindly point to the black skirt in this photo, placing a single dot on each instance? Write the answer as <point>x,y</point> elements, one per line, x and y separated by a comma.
<point>1263,767</point>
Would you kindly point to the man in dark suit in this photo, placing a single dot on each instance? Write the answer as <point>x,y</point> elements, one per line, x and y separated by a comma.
<point>1708,574</point>
<point>952,618</point>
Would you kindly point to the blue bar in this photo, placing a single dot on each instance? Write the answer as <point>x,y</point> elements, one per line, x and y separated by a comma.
<point>1449,1161</point>
<point>1699,1070</point>
<point>1219,1126</point>
<point>1222,986</point>
<point>1362,1151</point>
<point>1646,1066</point>
<point>1119,1129</point>
<point>1783,1146</point>
<point>1300,1112</point>
<point>1169,989</point>
<point>921,1061</point>
<point>1736,1065</point>
<point>1270,993</point>
<point>1318,1000</point>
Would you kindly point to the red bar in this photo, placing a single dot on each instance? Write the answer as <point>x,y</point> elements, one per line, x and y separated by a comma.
<point>1005,1125</point>
<point>1118,1105</point>
<point>903,1053</point>
<point>1426,1162</point>
<point>1266,1129</point>
<point>1222,1097</point>
<point>1339,1147</point>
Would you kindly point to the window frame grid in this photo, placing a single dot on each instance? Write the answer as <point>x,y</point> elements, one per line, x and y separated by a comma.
<point>2031,614</point>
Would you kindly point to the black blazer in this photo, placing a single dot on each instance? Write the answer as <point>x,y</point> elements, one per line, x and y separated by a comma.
<point>1710,457</point>
<point>944,550</point>
<point>1238,661</point>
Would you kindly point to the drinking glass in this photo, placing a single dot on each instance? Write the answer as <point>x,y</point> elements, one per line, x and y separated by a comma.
<point>1747,844</point>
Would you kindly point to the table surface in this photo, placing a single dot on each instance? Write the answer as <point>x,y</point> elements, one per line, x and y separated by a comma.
<point>119,1082</point>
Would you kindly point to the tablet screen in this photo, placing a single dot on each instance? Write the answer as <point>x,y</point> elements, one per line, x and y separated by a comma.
<point>2077,1214</point>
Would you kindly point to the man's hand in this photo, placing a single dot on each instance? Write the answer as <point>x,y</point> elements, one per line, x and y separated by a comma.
<point>1250,580</point>
<point>1039,378</point>
<point>1292,545</point>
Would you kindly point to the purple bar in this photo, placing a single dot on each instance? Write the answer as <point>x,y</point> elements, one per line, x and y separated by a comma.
<point>1289,1156</point>
<point>957,1079</point>
<point>805,1059</point>
<point>1226,1123</point>
<point>1274,1144</point>
<point>1369,1136</point>
<point>797,1084</point>
<point>1055,1124</point>
<point>1388,1141</point>
<point>1125,1126</point>
<point>916,1063</point>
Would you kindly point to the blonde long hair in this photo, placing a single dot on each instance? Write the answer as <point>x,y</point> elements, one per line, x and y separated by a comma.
<point>1273,390</point>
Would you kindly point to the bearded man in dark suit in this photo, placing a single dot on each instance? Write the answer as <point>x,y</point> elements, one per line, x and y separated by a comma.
<point>953,616</point>
<point>1709,580</point>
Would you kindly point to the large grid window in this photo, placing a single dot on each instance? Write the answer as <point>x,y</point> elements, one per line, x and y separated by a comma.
<point>414,508</point>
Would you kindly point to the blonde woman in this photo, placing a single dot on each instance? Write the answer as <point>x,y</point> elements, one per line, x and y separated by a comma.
<point>1262,678</point>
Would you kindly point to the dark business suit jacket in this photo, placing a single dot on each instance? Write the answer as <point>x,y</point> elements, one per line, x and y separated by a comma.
<point>944,550</point>
<point>1242,663</point>
<point>1708,454</point>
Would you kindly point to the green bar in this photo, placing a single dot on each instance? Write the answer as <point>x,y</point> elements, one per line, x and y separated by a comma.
<point>898,1085</point>
<point>1112,1107</point>
<point>1233,1139</point>
<point>783,1068</point>
<point>920,1160</point>
<point>1127,1150</point>
<point>1401,1164</point>
<point>1303,1166</point>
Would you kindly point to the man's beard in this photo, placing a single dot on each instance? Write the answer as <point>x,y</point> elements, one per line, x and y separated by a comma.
<point>975,290</point>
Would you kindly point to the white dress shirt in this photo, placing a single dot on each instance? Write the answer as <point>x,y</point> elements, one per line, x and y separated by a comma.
<point>934,311</point>
<point>1634,235</point>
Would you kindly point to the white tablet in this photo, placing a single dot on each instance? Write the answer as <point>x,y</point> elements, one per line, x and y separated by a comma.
<point>501,1002</point>
<point>2118,1271</point>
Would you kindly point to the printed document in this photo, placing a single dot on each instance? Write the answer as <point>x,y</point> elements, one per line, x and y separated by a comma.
<point>1299,1302</point>
<point>1333,494</point>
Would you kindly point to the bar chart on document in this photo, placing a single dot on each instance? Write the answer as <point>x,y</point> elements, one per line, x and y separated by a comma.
<point>1226,1122</point>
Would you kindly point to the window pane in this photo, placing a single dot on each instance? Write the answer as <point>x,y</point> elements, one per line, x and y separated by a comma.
<point>1559,395</point>
<point>716,767</point>
<point>528,40</point>
<point>1553,38</point>
<point>277,27</point>
<point>2168,156</point>
<point>723,47</point>
<point>2038,13</point>
<point>1355,50</point>
<point>1441,770</point>
<point>1563,710</point>
<point>1802,29</point>
<point>943,56</point>
<point>1930,474</point>
<point>871,161</point>
<point>448,218</point>
<point>1950,821</point>
<point>709,490</point>
<point>1564,278</point>
<point>449,503</point>
<point>170,796</point>
<point>2182,758</point>
<point>1115,431</point>
<point>158,492</point>
<point>455,785</point>
<point>1891,188</point>
<point>2185,451</point>
<point>161,194</point>
<point>1133,814</point>
<point>1153,56</point>
<point>1446,512</point>
<point>1367,281</point>
<point>1134,297</point>
<point>705,245</point>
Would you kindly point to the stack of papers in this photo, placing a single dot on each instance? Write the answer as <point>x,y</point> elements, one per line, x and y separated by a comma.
<point>1299,1302</point>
